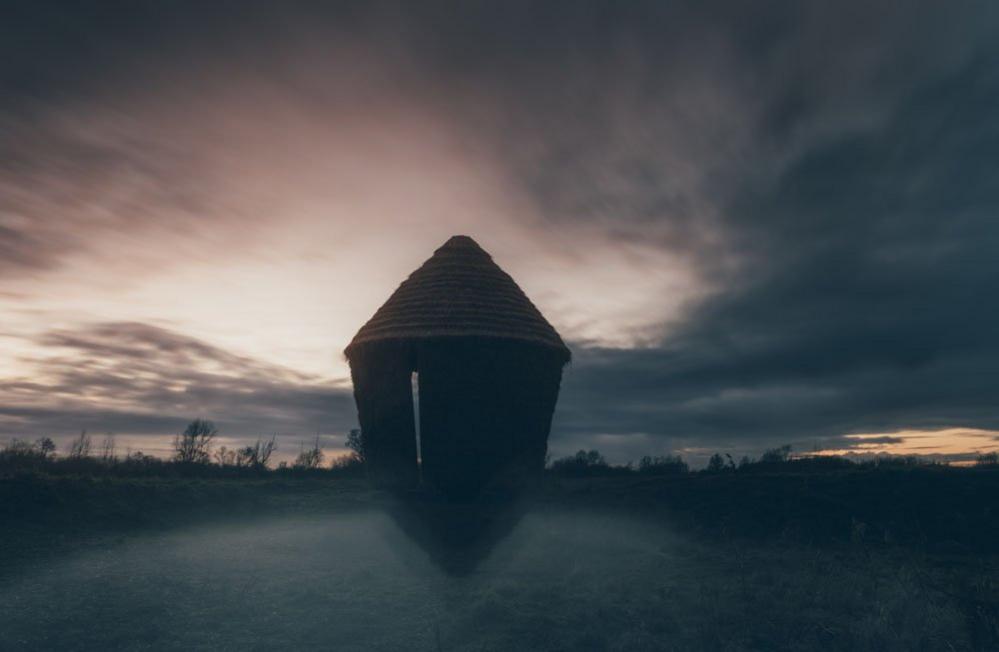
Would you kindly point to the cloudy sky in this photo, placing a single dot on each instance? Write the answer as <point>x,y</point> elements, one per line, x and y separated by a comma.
<point>754,223</point>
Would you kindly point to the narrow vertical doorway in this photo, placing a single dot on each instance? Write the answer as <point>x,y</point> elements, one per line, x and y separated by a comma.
<point>415,382</point>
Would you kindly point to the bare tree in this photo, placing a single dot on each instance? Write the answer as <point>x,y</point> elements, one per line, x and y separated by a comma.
<point>80,447</point>
<point>311,458</point>
<point>265,451</point>
<point>45,447</point>
<point>194,445</point>
<point>109,454</point>
<point>258,455</point>
<point>224,456</point>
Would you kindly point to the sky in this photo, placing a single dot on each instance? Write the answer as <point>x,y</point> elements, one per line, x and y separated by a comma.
<point>754,224</point>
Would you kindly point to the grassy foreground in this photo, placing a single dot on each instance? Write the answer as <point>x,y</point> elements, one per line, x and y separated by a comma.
<point>905,559</point>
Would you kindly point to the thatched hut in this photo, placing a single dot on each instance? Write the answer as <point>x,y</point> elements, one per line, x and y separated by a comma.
<point>488,368</point>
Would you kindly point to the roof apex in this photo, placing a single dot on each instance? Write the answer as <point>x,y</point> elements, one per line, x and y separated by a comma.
<point>461,241</point>
<point>459,292</point>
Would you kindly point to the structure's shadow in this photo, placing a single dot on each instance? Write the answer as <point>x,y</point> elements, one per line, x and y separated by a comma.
<point>456,534</point>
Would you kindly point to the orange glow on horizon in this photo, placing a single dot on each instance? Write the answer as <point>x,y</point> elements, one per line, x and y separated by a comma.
<point>945,442</point>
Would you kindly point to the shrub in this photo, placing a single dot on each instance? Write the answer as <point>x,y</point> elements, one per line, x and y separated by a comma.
<point>18,453</point>
<point>582,463</point>
<point>900,461</point>
<point>138,463</point>
<point>662,465</point>
<point>988,459</point>
<point>80,447</point>
<point>349,465</point>
<point>258,455</point>
<point>777,455</point>
<point>716,463</point>
<point>108,454</point>
<point>311,458</point>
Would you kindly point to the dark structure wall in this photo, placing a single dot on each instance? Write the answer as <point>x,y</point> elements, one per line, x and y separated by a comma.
<point>486,407</point>
<point>485,412</point>
<point>383,392</point>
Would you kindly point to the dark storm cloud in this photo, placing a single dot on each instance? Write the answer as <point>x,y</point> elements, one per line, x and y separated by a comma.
<point>830,167</point>
<point>863,305</point>
<point>140,379</point>
<point>857,231</point>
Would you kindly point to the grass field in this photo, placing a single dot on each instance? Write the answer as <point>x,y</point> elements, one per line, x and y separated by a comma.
<point>686,563</point>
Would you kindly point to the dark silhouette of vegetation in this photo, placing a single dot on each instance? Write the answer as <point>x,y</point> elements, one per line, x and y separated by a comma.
<point>194,445</point>
<point>347,465</point>
<point>662,465</point>
<point>777,455</point>
<point>309,459</point>
<point>192,455</point>
<point>353,462</point>
<point>225,456</point>
<point>25,455</point>
<point>80,447</point>
<point>593,464</point>
<point>355,444</point>
<point>256,456</point>
<point>259,455</point>
<point>109,453</point>
<point>584,463</point>
<point>46,447</point>
<point>717,463</point>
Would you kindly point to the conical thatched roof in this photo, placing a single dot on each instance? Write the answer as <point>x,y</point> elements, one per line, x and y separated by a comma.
<point>459,292</point>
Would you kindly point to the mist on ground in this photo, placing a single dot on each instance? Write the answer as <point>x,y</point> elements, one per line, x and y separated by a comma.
<point>560,580</point>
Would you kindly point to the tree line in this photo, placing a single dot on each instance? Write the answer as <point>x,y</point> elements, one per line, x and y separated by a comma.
<point>193,451</point>
<point>592,463</point>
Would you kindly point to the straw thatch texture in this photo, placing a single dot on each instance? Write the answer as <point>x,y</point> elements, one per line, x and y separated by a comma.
<point>459,292</point>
